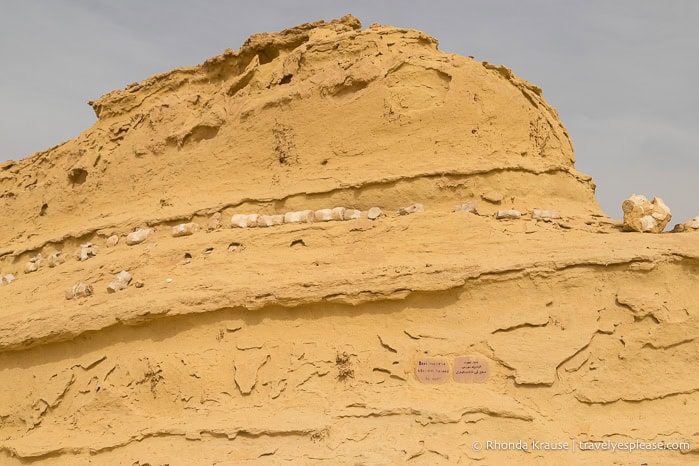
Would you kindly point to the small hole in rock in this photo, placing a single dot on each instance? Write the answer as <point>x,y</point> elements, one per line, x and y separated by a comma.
<point>286,79</point>
<point>324,162</point>
<point>77,175</point>
<point>235,247</point>
<point>297,242</point>
<point>187,255</point>
<point>208,250</point>
<point>44,207</point>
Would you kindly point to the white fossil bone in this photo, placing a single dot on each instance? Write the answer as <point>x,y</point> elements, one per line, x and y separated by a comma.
<point>411,209</point>
<point>138,236</point>
<point>323,215</point>
<point>214,222</point>
<point>244,220</point>
<point>270,220</point>
<point>121,281</point>
<point>508,214</point>
<point>86,251</point>
<point>466,207</point>
<point>55,259</point>
<point>79,290</point>
<point>374,213</point>
<point>112,241</point>
<point>539,214</point>
<point>301,216</point>
<point>184,229</point>
<point>351,214</point>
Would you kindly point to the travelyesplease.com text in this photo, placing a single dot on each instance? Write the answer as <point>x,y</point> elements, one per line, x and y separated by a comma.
<point>578,445</point>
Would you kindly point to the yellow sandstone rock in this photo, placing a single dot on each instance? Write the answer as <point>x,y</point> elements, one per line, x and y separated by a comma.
<point>412,338</point>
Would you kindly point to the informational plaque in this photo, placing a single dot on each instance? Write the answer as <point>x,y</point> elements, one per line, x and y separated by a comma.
<point>432,370</point>
<point>470,369</point>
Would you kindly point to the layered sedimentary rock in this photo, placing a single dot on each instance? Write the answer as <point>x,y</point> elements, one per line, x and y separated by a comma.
<point>335,337</point>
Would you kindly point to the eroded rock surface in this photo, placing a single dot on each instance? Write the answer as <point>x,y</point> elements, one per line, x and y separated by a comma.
<point>231,347</point>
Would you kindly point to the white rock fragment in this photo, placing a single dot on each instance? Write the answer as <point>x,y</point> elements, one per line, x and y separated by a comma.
<point>538,214</point>
<point>693,224</point>
<point>244,220</point>
<point>374,213</point>
<point>338,213</point>
<point>417,207</point>
<point>270,220</point>
<point>184,229</point>
<point>56,259</point>
<point>112,241</point>
<point>121,281</point>
<point>466,207</point>
<point>30,267</point>
<point>645,216</point>
<point>7,279</point>
<point>301,216</point>
<point>508,214</point>
<point>138,236</point>
<point>323,215</point>
<point>86,251</point>
<point>351,214</point>
<point>79,290</point>
<point>214,222</point>
<point>34,263</point>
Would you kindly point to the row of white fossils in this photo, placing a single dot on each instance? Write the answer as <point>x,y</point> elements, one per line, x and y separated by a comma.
<point>123,278</point>
<point>259,220</point>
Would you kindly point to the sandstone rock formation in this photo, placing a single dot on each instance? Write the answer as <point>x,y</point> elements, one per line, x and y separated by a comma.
<point>395,341</point>
<point>645,216</point>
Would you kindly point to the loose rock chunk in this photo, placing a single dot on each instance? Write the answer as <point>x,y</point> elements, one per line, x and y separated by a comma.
<point>645,216</point>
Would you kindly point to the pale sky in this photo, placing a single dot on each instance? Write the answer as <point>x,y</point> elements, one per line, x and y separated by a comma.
<point>621,73</point>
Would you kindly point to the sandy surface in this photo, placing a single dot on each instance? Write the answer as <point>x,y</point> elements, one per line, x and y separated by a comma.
<point>302,343</point>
